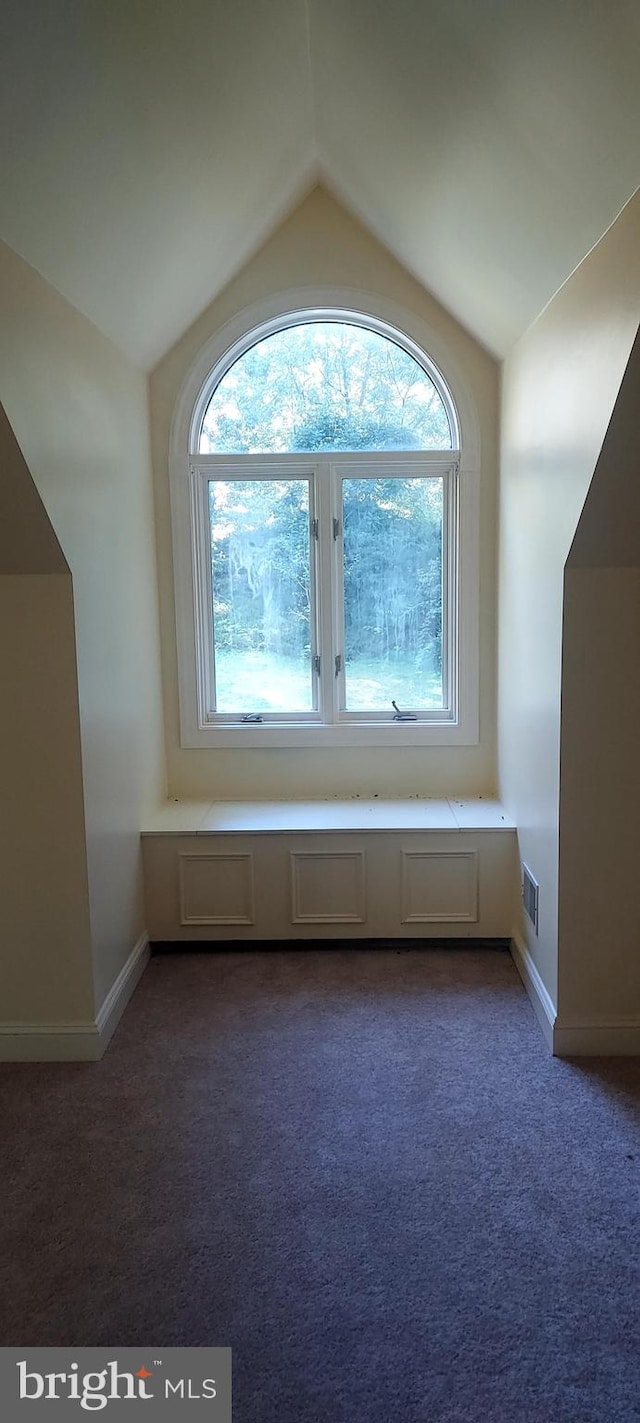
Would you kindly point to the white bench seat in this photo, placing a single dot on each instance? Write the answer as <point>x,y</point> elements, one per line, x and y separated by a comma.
<point>329,869</point>
<point>184,817</point>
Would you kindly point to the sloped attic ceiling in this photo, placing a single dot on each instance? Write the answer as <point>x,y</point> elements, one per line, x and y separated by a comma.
<point>149,145</point>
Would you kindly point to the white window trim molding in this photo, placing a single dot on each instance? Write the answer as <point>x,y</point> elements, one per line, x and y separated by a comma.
<point>218,353</point>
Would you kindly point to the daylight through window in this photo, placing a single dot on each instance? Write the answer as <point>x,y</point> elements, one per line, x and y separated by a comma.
<point>325,532</point>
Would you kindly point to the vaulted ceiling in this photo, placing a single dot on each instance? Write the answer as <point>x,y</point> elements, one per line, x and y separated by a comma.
<point>149,146</point>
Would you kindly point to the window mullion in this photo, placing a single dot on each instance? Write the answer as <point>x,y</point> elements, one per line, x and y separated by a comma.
<point>450,589</point>
<point>314,585</point>
<point>337,558</point>
<point>326,594</point>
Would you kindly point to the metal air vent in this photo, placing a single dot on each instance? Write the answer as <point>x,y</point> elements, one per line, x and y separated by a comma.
<point>530,891</point>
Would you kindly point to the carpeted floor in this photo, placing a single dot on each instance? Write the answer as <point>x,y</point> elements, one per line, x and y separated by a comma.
<point>360,1169</point>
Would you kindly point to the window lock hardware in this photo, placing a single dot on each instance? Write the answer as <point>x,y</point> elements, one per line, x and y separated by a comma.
<point>253,719</point>
<point>338,663</point>
<point>315,530</point>
<point>316,664</point>
<point>402,716</point>
<point>336,528</point>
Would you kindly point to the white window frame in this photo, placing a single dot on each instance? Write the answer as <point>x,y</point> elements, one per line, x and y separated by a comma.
<point>236,468</point>
<point>329,724</point>
<point>444,465</point>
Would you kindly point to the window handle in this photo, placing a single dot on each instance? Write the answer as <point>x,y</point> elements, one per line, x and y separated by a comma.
<point>338,664</point>
<point>402,716</point>
<point>253,719</point>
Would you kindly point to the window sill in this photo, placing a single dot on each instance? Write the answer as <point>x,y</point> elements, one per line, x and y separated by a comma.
<point>298,736</point>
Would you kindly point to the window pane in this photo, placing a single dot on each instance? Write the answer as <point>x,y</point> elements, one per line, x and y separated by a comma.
<point>261,573</point>
<point>325,385</point>
<point>393,593</point>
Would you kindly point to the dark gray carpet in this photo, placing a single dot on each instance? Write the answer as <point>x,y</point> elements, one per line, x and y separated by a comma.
<point>360,1169</point>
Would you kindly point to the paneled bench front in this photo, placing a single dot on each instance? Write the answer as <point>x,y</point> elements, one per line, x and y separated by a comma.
<point>357,869</point>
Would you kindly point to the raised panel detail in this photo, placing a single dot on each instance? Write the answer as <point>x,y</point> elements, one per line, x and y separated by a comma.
<point>216,889</point>
<point>439,886</point>
<point>327,887</point>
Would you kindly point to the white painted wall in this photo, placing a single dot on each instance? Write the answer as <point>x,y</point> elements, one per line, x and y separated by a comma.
<point>599,918</point>
<point>321,244</point>
<point>79,411</point>
<point>559,389</point>
<point>487,144</point>
<point>599,909</point>
<point>45,946</point>
<point>148,149</point>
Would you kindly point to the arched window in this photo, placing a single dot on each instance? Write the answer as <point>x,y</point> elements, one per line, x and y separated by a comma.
<point>325,385</point>
<point>324,510</point>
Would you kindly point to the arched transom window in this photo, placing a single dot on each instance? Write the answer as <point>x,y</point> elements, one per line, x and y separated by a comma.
<point>324,513</point>
<point>325,385</point>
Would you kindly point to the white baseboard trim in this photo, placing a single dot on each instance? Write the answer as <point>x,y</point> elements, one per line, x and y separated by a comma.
<point>50,1042</point>
<point>599,1037</point>
<point>604,1038</point>
<point>542,1002</point>
<point>113,1007</point>
<point>76,1042</point>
